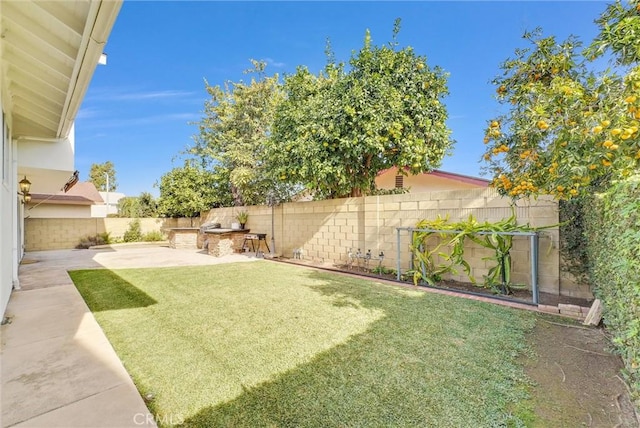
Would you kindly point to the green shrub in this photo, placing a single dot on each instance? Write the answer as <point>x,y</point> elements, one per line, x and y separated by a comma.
<point>153,236</point>
<point>381,270</point>
<point>91,241</point>
<point>613,231</point>
<point>134,232</point>
<point>105,237</point>
<point>573,239</point>
<point>394,191</point>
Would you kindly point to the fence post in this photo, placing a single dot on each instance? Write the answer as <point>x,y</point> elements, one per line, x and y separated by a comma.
<point>534,267</point>
<point>398,267</point>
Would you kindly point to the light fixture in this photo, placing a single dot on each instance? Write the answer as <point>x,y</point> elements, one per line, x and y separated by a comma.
<point>25,186</point>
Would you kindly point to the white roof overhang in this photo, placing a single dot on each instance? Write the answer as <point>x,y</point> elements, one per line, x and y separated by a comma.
<point>48,53</point>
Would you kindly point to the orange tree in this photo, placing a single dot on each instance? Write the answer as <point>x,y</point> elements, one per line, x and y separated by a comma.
<point>567,128</point>
<point>335,131</point>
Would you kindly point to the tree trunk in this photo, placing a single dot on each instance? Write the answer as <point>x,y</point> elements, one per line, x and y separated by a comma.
<point>238,200</point>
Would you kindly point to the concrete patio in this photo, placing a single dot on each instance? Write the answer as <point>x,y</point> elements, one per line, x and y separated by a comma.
<point>58,368</point>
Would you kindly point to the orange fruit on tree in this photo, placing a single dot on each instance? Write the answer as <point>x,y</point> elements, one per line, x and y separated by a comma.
<point>542,125</point>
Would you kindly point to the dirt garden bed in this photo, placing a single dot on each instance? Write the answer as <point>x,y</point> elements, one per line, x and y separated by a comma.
<point>515,295</point>
<point>577,381</point>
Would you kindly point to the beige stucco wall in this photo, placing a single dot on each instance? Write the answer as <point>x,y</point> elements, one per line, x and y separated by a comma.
<point>421,183</point>
<point>326,230</point>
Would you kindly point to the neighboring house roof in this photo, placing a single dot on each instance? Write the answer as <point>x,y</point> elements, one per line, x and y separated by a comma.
<point>460,177</point>
<point>481,182</point>
<point>83,193</point>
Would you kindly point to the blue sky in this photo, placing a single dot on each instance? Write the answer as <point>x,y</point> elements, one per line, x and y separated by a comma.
<point>138,108</point>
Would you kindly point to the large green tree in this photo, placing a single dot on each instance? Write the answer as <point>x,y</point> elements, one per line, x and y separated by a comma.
<point>144,205</point>
<point>98,176</point>
<point>129,207</point>
<point>336,130</point>
<point>186,191</point>
<point>234,131</point>
<point>148,205</point>
<point>568,128</point>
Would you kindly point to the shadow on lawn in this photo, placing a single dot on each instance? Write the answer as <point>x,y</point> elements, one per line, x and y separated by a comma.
<point>430,361</point>
<point>104,290</point>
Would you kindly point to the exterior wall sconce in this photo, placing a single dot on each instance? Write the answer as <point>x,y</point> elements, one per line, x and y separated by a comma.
<point>25,186</point>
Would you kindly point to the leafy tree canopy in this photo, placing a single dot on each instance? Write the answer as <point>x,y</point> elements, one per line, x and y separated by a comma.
<point>148,205</point>
<point>98,176</point>
<point>186,191</point>
<point>234,131</point>
<point>335,131</point>
<point>568,129</point>
<point>129,207</point>
<point>144,205</point>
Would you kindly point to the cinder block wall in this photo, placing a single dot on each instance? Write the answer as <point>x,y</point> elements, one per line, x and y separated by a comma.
<point>259,220</point>
<point>59,233</point>
<point>66,233</point>
<point>326,230</point>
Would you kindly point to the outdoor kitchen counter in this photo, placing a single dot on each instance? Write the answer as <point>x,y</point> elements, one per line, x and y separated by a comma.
<point>183,237</point>
<point>222,242</point>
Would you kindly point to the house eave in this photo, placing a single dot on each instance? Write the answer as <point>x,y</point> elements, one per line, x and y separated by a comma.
<point>48,54</point>
<point>102,17</point>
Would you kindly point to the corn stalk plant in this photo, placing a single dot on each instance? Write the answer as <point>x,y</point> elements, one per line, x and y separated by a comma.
<point>453,236</point>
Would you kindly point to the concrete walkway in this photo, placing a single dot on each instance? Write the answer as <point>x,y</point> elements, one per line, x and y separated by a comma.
<point>57,367</point>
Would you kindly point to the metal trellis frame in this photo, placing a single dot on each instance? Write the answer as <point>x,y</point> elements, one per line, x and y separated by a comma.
<point>533,240</point>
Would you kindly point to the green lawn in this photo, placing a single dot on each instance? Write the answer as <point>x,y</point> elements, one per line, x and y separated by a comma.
<point>268,344</point>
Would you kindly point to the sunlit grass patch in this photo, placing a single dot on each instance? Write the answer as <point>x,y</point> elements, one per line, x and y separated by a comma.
<point>256,344</point>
